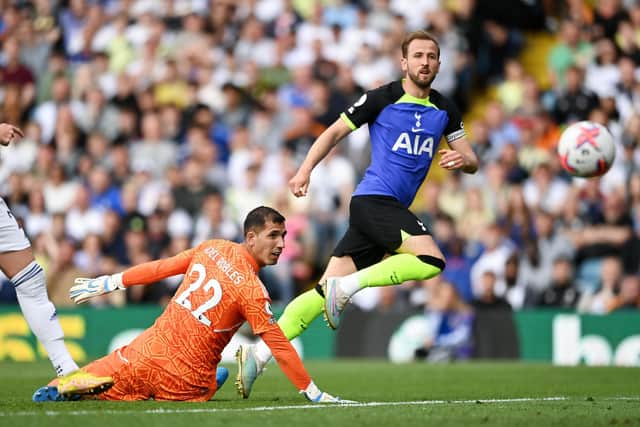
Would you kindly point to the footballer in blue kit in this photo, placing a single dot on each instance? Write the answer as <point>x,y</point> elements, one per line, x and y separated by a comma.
<point>405,133</point>
<point>385,244</point>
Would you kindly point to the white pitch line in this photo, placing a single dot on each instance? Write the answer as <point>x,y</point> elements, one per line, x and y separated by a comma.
<point>164,411</point>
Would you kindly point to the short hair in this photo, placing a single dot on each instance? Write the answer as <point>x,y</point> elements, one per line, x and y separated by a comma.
<point>418,35</point>
<point>258,217</point>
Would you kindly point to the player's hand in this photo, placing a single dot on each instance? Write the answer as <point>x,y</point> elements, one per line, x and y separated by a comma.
<point>299,184</point>
<point>315,395</point>
<point>451,159</point>
<point>8,132</point>
<point>85,288</point>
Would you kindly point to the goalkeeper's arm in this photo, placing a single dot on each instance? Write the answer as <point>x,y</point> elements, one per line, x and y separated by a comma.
<point>143,274</point>
<point>292,366</point>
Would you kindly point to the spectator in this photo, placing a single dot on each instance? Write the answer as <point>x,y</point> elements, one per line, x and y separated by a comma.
<point>511,90</point>
<point>602,74</point>
<point>89,256</point>
<point>97,115</point>
<point>562,292</point>
<point>190,194</point>
<point>532,95</point>
<point>570,51</point>
<point>453,200</point>
<point>493,259</point>
<point>544,190</point>
<point>15,73</point>
<point>481,143</point>
<point>516,219</point>
<point>627,90</point>
<point>519,291</point>
<point>103,194</point>
<point>627,42</point>
<point>476,215</point>
<point>602,300</point>
<point>214,222</point>
<point>450,320</point>
<point>607,16</point>
<point>486,298</point>
<point>610,236</point>
<point>152,152</point>
<point>515,173</point>
<point>574,102</point>
<point>158,238</point>
<point>38,219</point>
<point>502,130</point>
<point>458,271</point>
<point>241,200</point>
<point>112,239</point>
<point>629,296</point>
<point>46,113</point>
<point>551,245</point>
<point>20,156</point>
<point>62,271</point>
<point>82,219</point>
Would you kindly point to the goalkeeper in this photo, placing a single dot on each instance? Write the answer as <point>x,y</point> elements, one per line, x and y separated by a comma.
<point>176,358</point>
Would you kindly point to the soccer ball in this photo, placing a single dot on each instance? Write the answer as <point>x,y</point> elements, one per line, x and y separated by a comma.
<point>586,149</point>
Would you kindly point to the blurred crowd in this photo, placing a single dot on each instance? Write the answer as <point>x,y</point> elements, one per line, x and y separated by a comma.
<point>154,125</point>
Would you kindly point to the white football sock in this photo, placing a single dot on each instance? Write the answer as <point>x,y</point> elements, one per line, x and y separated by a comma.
<point>263,353</point>
<point>31,290</point>
<point>350,284</point>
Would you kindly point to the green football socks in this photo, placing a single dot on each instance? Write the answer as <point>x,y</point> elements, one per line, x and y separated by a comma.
<point>394,270</point>
<point>391,271</point>
<point>300,312</point>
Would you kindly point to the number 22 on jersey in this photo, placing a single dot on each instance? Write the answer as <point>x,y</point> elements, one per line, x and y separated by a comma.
<point>212,285</point>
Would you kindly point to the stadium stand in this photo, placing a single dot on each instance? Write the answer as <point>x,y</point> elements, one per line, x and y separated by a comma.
<point>152,125</point>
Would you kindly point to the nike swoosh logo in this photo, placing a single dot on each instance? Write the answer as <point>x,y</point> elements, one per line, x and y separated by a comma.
<point>416,129</point>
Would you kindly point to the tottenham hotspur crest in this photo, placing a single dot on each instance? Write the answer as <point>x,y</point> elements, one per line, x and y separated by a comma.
<point>417,127</point>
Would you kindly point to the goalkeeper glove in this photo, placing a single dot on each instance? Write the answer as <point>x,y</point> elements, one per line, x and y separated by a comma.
<point>86,288</point>
<point>314,394</point>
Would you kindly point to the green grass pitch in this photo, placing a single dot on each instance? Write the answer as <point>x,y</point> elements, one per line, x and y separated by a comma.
<point>466,394</point>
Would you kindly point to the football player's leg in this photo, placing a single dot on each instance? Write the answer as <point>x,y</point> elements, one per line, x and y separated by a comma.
<point>31,290</point>
<point>398,231</point>
<point>94,378</point>
<point>121,365</point>
<point>419,259</point>
<point>295,319</point>
<point>304,309</point>
<point>80,383</point>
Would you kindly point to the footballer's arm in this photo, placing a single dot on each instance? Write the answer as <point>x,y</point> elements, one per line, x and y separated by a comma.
<point>461,157</point>
<point>142,274</point>
<point>328,139</point>
<point>151,272</point>
<point>292,366</point>
<point>287,358</point>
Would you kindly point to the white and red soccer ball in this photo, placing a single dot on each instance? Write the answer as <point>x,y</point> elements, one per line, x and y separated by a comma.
<point>586,149</point>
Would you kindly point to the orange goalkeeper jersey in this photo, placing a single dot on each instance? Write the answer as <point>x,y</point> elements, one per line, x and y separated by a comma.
<point>220,290</point>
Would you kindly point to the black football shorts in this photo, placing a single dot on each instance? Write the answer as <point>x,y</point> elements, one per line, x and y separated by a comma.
<point>375,229</point>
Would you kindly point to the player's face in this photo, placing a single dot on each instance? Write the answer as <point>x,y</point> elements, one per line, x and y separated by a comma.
<point>268,243</point>
<point>422,62</point>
